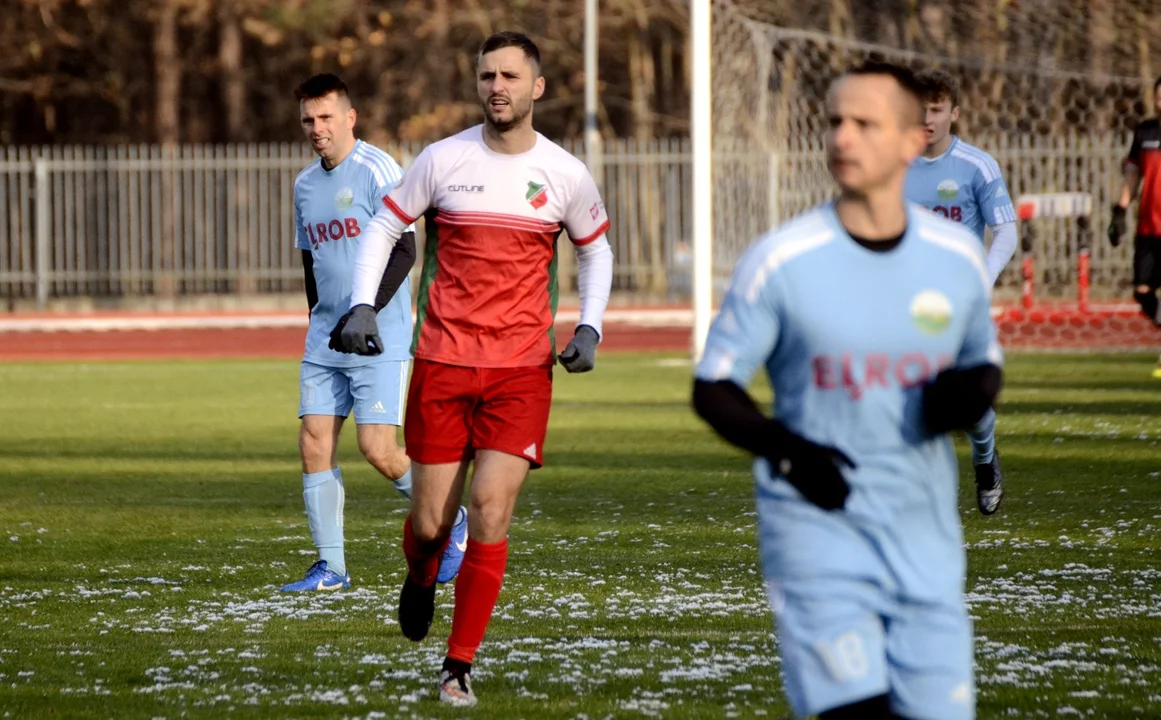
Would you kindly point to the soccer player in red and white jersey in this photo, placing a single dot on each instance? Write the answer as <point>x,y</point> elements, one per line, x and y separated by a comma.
<point>495,198</point>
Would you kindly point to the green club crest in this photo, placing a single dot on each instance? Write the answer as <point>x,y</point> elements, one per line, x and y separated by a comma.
<point>931,311</point>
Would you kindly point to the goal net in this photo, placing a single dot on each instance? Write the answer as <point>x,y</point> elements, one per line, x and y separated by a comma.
<point>1051,88</point>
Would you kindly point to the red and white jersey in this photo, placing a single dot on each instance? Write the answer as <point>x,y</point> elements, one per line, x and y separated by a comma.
<point>488,291</point>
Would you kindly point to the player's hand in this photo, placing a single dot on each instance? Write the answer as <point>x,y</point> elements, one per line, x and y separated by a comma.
<point>358,332</point>
<point>814,470</point>
<point>1117,226</point>
<point>336,341</point>
<point>580,355</point>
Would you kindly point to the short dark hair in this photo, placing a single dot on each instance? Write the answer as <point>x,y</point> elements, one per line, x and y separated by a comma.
<point>508,38</point>
<point>320,86</point>
<point>939,85</point>
<point>908,82</point>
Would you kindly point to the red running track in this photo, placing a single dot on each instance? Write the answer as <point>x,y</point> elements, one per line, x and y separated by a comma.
<point>1046,328</point>
<point>278,342</point>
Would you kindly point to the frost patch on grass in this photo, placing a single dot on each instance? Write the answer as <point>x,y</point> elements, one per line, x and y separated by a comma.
<point>1090,672</point>
<point>649,705</point>
<point>1077,590</point>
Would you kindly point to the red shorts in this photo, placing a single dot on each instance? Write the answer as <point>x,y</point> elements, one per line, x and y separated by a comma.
<point>453,411</point>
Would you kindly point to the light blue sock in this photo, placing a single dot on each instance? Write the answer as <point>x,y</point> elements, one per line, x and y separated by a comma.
<point>983,437</point>
<point>403,484</point>
<point>324,496</point>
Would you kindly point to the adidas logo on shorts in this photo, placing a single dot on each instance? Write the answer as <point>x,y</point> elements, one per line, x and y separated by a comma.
<point>378,407</point>
<point>530,451</point>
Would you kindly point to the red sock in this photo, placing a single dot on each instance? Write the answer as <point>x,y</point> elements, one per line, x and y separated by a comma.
<point>422,558</point>
<point>477,588</point>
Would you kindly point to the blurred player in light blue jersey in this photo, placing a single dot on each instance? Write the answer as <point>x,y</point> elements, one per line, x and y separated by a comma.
<point>334,199</point>
<point>963,183</point>
<point>871,318</point>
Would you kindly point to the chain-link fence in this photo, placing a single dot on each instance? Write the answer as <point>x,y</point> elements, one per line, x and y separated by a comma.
<point>1051,89</point>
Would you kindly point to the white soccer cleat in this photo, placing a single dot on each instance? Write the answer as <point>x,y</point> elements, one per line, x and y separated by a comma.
<point>455,687</point>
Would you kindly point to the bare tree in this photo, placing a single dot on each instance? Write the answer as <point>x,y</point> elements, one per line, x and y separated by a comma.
<point>233,79</point>
<point>168,65</point>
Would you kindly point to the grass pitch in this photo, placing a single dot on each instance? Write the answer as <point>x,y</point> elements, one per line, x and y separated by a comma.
<point>149,511</point>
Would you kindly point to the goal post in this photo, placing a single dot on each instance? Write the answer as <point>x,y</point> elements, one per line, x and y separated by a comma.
<point>701,126</point>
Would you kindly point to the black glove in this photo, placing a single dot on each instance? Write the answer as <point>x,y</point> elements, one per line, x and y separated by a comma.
<point>814,470</point>
<point>1117,225</point>
<point>336,341</point>
<point>957,399</point>
<point>811,468</point>
<point>580,355</point>
<point>357,332</point>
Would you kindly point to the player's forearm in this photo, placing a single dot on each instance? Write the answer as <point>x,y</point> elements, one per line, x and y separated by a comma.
<point>594,279</point>
<point>398,266</point>
<point>309,280</point>
<point>734,415</point>
<point>375,245</point>
<point>1129,187</point>
<point>1002,249</point>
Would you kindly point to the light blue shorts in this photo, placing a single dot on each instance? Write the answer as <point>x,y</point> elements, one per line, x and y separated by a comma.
<point>376,391</point>
<point>845,634</point>
<point>842,641</point>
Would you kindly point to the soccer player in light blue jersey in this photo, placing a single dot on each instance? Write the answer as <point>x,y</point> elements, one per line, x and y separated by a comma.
<point>334,199</point>
<point>963,183</point>
<point>871,319</point>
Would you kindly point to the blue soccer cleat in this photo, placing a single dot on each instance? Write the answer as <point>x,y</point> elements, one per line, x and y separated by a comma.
<point>453,556</point>
<point>319,577</point>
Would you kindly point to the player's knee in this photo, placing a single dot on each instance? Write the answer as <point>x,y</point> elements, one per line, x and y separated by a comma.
<point>429,524</point>
<point>314,448</point>
<point>1147,299</point>
<point>490,516</point>
<point>387,458</point>
<point>374,453</point>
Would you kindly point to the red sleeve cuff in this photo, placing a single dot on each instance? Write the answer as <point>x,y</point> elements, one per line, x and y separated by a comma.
<point>397,210</point>
<point>586,240</point>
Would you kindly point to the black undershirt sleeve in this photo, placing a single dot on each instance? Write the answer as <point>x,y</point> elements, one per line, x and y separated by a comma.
<point>957,399</point>
<point>398,266</point>
<point>731,412</point>
<point>308,276</point>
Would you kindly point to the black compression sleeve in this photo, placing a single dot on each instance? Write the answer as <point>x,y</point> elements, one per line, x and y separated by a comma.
<point>398,265</point>
<point>733,414</point>
<point>308,276</point>
<point>957,399</point>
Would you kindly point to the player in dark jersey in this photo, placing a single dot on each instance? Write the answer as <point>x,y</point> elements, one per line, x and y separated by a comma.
<point>1143,172</point>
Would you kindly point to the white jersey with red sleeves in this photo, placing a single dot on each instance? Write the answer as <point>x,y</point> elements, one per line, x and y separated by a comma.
<point>487,296</point>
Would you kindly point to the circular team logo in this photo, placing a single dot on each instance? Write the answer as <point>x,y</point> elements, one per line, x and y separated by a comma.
<point>344,199</point>
<point>931,311</point>
<point>947,189</point>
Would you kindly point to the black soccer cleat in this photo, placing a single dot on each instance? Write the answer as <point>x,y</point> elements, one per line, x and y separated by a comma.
<point>989,485</point>
<point>416,609</point>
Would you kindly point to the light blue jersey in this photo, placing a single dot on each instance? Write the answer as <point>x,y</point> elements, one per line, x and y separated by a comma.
<point>848,337</point>
<point>965,185</point>
<point>331,208</point>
